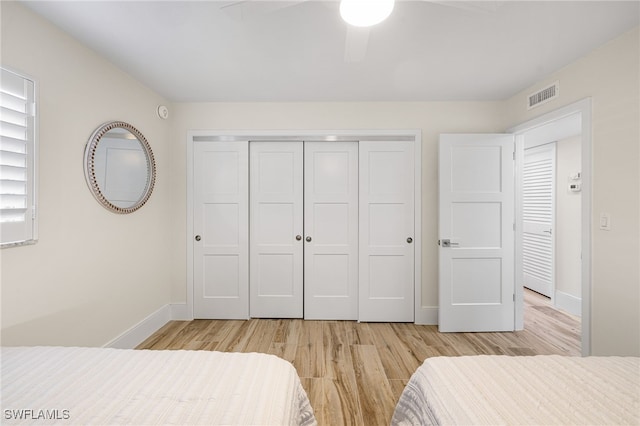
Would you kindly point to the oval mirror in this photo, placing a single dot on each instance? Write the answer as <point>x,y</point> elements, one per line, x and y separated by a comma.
<point>119,167</point>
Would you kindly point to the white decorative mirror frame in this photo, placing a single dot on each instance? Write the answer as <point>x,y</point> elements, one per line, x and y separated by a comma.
<point>124,183</point>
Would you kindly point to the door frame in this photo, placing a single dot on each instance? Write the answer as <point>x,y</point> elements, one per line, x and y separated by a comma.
<point>583,109</point>
<point>421,314</point>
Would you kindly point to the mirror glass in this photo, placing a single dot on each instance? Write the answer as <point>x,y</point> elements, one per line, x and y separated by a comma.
<point>119,167</point>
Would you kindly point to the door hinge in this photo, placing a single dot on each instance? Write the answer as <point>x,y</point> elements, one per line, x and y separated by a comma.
<point>514,156</point>
<point>514,297</point>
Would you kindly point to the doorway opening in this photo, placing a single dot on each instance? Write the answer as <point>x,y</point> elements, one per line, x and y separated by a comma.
<point>553,168</point>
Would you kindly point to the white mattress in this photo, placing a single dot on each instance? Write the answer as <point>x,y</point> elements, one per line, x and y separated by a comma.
<point>532,390</point>
<point>101,386</point>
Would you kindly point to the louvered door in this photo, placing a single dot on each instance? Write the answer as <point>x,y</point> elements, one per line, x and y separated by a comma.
<point>538,218</point>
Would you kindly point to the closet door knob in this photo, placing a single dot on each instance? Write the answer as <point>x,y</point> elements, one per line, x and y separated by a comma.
<point>298,237</point>
<point>409,240</point>
<point>308,239</point>
<point>198,237</point>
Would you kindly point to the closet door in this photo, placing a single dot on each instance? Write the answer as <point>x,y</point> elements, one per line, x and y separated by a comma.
<point>331,230</point>
<point>276,229</point>
<point>386,290</point>
<point>220,221</point>
<point>538,218</point>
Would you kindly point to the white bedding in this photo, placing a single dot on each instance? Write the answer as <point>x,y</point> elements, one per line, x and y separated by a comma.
<point>536,390</point>
<point>101,386</point>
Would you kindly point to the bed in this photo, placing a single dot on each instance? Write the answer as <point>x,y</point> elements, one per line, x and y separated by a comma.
<point>538,390</point>
<point>60,385</point>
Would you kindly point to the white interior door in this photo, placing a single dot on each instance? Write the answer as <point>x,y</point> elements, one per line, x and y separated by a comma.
<point>538,212</point>
<point>331,230</point>
<point>276,228</point>
<point>476,229</point>
<point>221,240</point>
<point>386,290</point>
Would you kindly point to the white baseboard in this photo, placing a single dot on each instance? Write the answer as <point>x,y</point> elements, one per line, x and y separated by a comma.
<point>427,315</point>
<point>145,328</point>
<point>568,303</point>
<point>139,332</point>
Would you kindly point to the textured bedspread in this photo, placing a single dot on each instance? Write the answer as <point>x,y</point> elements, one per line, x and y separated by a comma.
<point>47,385</point>
<point>522,390</point>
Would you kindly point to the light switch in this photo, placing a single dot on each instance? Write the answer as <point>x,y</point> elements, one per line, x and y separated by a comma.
<point>605,221</point>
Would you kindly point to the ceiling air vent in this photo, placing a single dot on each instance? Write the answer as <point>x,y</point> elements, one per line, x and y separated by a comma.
<point>543,96</point>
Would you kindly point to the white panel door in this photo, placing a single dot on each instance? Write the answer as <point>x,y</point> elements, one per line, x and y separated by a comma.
<point>538,207</point>
<point>221,241</point>
<point>476,220</point>
<point>386,290</point>
<point>331,230</point>
<point>276,227</point>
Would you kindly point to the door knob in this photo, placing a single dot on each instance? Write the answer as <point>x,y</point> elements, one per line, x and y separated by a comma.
<point>198,237</point>
<point>449,243</point>
<point>308,239</point>
<point>298,237</point>
<point>409,240</point>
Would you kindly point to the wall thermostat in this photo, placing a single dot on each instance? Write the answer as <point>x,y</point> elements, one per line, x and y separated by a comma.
<point>163,112</point>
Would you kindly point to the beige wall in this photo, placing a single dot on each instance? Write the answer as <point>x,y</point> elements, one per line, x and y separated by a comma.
<point>93,274</point>
<point>568,229</point>
<point>609,75</point>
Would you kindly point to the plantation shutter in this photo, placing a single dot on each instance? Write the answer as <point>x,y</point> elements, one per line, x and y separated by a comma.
<point>17,159</point>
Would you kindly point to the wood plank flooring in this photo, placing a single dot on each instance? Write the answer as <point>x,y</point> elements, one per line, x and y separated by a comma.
<point>354,372</point>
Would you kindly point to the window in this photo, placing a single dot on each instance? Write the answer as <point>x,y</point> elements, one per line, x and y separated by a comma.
<point>18,223</point>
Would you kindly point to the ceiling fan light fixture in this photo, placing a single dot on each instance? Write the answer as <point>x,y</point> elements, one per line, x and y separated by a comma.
<point>365,13</point>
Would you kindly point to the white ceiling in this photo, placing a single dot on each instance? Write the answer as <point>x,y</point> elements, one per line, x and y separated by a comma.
<point>425,51</point>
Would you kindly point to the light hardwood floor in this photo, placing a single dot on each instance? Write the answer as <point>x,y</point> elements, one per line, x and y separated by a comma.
<point>354,372</point>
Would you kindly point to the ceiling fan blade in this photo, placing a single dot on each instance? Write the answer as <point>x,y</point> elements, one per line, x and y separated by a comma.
<point>246,9</point>
<point>357,39</point>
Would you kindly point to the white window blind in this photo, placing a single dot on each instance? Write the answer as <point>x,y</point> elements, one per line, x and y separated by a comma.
<point>17,159</point>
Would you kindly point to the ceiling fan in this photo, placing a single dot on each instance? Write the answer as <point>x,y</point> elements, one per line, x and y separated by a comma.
<point>357,37</point>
